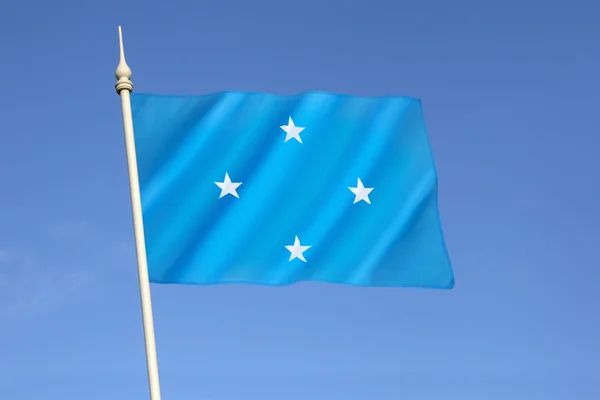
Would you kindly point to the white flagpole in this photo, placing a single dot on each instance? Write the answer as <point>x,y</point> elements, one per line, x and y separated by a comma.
<point>124,87</point>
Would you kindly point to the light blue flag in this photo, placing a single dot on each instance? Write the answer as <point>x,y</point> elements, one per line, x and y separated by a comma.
<point>272,190</point>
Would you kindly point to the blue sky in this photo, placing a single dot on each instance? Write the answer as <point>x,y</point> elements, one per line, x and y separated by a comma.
<point>510,93</point>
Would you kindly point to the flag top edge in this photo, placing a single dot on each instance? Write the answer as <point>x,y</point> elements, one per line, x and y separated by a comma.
<point>287,96</point>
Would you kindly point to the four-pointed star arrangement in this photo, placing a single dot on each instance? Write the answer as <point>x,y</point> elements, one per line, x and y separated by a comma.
<point>293,132</point>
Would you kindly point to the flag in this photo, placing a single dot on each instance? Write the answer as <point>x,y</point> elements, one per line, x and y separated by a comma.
<point>272,190</point>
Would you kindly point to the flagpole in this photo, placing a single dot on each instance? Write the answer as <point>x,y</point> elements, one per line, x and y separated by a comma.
<point>124,88</point>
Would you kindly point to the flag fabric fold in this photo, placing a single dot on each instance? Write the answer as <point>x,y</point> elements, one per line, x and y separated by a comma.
<point>273,190</point>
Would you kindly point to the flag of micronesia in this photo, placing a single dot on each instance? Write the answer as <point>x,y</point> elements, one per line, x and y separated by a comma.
<point>272,190</point>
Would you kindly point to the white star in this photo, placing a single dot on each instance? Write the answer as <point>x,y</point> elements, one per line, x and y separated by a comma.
<point>297,250</point>
<point>361,192</point>
<point>292,131</point>
<point>228,187</point>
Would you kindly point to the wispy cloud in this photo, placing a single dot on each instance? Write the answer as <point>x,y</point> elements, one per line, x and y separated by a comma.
<point>70,229</point>
<point>69,258</point>
<point>3,255</point>
<point>85,242</point>
<point>29,284</point>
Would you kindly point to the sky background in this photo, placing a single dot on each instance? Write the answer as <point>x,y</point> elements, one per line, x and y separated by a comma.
<point>511,98</point>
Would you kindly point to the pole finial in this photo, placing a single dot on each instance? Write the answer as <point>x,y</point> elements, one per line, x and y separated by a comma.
<point>123,72</point>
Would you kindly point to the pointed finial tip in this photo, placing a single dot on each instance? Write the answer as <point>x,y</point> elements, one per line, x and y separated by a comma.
<point>123,72</point>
